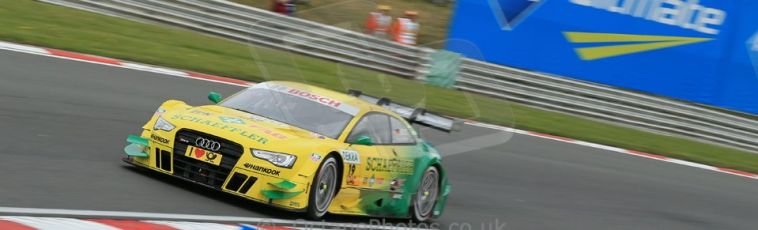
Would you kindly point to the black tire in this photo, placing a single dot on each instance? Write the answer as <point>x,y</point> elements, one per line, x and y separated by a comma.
<point>323,188</point>
<point>423,201</point>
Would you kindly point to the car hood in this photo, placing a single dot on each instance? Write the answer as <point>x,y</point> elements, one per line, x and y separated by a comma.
<point>241,127</point>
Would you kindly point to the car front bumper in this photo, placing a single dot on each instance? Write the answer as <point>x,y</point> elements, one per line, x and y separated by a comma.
<point>237,174</point>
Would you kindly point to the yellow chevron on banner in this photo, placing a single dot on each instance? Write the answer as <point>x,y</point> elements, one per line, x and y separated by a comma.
<point>643,43</point>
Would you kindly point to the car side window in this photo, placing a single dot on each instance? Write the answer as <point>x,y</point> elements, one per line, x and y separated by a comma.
<point>374,125</point>
<point>400,134</point>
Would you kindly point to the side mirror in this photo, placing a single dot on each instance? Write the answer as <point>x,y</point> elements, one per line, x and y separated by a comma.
<point>364,140</point>
<point>214,97</point>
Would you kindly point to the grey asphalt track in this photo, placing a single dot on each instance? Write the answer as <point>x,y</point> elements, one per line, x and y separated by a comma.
<point>64,123</point>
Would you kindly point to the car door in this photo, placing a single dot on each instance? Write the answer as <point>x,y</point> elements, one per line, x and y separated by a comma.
<point>359,188</point>
<point>359,159</point>
<point>371,169</point>
<point>390,160</point>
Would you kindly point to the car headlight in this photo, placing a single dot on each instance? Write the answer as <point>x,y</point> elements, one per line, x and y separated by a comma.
<point>162,124</point>
<point>278,159</point>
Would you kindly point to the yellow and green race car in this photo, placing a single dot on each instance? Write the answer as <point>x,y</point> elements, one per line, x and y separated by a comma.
<point>301,148</point>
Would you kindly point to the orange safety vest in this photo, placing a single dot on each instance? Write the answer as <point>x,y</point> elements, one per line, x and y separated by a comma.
<point>377,23</point>
<point>405,31</point>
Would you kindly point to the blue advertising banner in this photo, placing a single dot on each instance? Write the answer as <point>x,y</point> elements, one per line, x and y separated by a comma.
<point>704,51</point>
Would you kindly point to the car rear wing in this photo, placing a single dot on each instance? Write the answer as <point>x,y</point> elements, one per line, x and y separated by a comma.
<point>413,115</point>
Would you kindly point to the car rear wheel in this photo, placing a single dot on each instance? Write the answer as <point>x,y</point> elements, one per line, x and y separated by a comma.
<point>323,188</point>
<point>426,197</point>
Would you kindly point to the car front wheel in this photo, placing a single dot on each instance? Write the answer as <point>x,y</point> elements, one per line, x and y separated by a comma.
<point>322,189</point>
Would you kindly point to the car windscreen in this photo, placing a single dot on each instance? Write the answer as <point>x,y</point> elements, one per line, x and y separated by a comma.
<point>292,109</point>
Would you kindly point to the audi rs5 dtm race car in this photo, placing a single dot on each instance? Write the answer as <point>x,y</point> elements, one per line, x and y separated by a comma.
<point>301,148</point>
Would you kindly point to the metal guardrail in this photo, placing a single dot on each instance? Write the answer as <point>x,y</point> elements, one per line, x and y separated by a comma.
<point>246,24</point>
<point>608,103</point>
<point>243,23</point>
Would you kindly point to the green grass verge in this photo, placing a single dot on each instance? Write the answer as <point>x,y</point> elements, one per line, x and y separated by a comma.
<point>30,22</point>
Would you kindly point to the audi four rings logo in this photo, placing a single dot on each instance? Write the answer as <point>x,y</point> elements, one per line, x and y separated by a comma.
<point>207,144</point>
